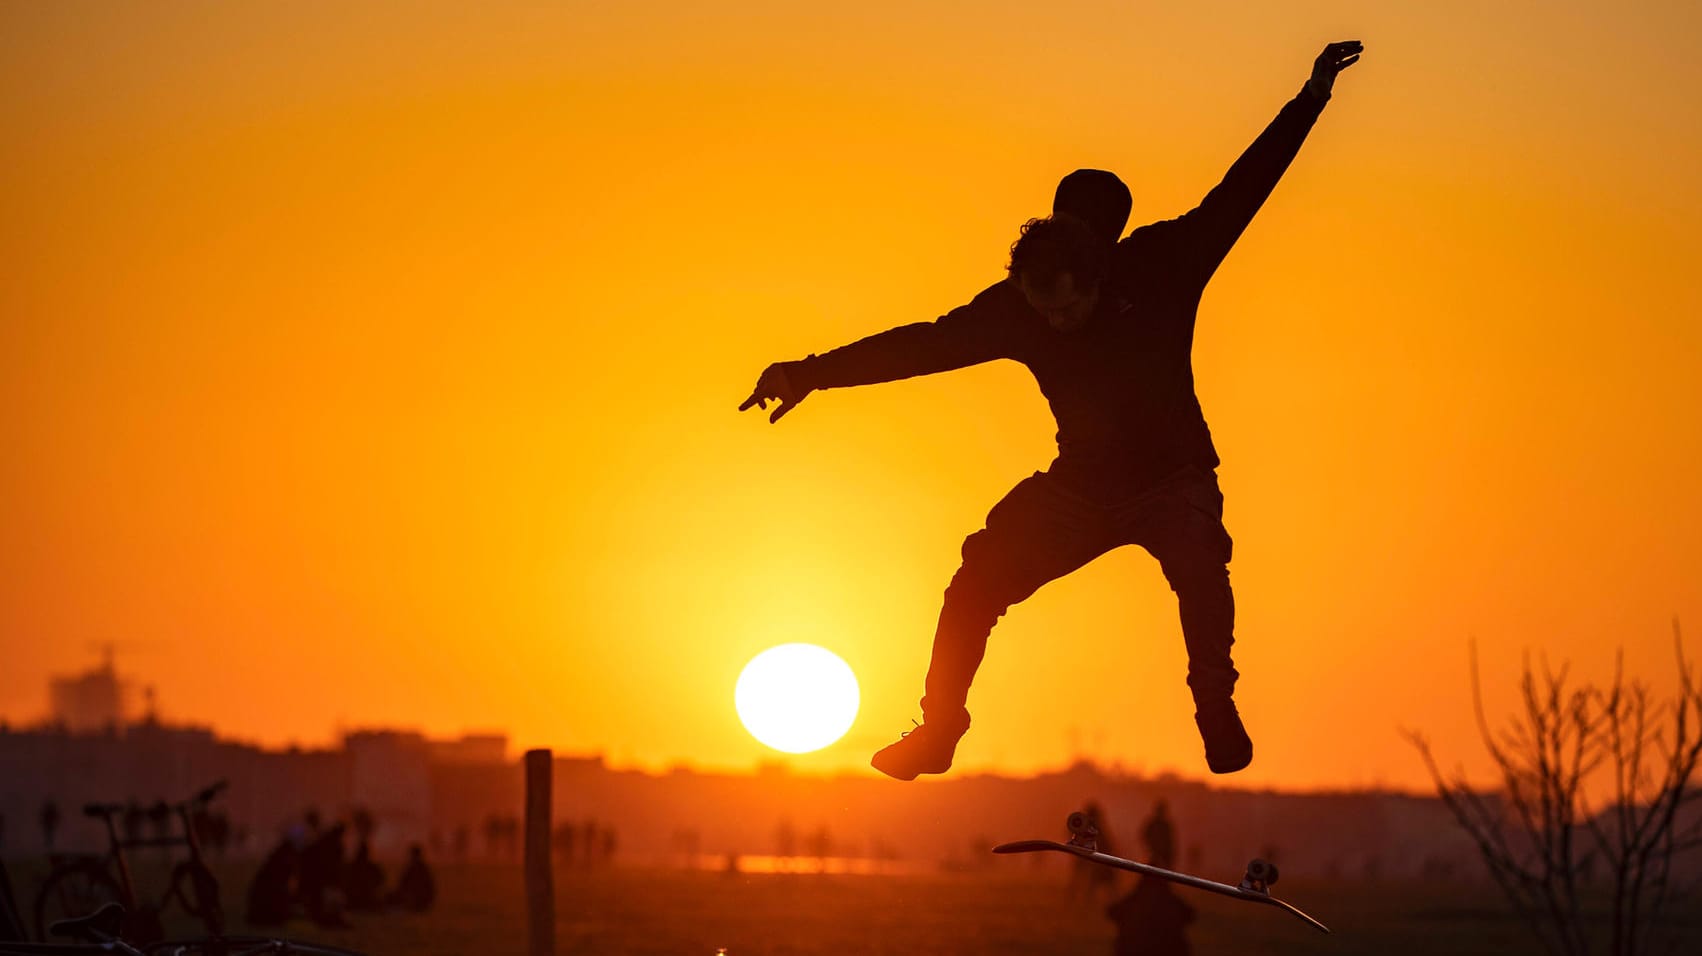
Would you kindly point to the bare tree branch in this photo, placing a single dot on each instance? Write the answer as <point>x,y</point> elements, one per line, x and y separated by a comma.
<point>1544,830</point>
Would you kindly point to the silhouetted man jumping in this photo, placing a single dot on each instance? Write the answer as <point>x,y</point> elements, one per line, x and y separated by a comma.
<point>1107,329</point>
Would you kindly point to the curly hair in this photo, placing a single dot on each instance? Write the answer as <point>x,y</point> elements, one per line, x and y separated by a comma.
<point>1055,246</point>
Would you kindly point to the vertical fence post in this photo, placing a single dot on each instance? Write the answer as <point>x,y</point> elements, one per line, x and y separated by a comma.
<point>540,885</point>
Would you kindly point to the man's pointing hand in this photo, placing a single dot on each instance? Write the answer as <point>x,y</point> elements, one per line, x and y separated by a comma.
<point>777,386</point>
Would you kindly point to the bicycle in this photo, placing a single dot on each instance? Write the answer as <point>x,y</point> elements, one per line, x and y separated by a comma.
<point>99,933</point>
<point>84,884</point>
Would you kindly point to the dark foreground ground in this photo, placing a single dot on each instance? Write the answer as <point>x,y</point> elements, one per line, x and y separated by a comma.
<point>1004,910</point>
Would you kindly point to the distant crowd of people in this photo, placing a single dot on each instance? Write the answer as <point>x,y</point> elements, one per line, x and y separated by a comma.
<point>583,844</point>
<point>572,843</point>
<point>309,873</point>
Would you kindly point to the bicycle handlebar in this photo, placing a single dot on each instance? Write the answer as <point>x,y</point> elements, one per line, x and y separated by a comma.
<point>201,799</point>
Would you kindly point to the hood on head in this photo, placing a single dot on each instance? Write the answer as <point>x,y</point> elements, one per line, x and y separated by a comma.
<point>1096,197</point>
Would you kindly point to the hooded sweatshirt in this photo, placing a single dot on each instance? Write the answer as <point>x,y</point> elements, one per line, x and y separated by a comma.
<point>1121,388</point>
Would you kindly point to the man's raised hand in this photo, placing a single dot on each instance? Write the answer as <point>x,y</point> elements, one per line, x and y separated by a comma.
<point>774,385</point>
<point>1336,57</point>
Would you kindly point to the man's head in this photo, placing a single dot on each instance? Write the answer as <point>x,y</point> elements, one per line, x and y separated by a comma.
<point>1097,198</point>
<point>1058,264</point>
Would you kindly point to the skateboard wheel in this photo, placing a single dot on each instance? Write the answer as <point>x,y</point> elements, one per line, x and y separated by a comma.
<point>1262,872</point>
<point>1079,824</point>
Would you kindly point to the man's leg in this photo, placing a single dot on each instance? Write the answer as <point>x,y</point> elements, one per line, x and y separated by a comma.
<point>1181,523</point>
<point>1037,533</point>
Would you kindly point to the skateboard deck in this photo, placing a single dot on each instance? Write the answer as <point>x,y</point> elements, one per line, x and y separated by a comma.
<point>1254,886</point>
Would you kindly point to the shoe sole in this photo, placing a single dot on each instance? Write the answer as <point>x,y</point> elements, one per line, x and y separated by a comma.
<point>894,775</point>
<point>1239,763</point>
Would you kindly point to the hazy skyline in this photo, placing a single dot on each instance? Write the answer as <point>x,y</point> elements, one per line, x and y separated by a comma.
<point>378,364</point>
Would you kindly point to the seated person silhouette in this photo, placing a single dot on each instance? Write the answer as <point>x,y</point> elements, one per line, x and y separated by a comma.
<point>416,890</point>
<point>271,893</point>
<point>319,878</point>
<point>363,880</point>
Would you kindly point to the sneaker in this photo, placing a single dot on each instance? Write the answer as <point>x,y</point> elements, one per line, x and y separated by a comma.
<point>1228,748</point>
<point>927,749</point>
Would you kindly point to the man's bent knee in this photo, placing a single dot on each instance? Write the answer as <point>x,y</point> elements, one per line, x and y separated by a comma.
<point>1188,577</point>
<point>971,606</point>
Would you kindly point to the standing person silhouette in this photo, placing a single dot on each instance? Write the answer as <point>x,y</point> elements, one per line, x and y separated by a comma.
<point>1152,920</point>
<point>1106,327</point>
<point>1159,835</point>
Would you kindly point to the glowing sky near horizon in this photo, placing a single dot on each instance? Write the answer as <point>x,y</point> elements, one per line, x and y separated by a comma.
<point>388,354</point>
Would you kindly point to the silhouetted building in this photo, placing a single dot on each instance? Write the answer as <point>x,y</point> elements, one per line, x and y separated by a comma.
<point>472,749</point>
<point>390,776</point>
<point>89,702</point>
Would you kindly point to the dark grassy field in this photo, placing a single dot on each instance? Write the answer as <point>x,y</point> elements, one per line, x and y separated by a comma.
<point>999,911</point>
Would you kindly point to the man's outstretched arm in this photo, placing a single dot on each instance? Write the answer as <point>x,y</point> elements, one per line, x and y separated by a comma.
<point>968,335</point>
<point>1219,220</point>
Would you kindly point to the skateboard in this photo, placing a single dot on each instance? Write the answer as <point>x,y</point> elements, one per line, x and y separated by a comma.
<point>1254,887</point>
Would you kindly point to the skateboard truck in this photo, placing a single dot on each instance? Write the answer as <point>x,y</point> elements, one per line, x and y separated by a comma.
<point>1259,877</point>
<point>1082,832</point>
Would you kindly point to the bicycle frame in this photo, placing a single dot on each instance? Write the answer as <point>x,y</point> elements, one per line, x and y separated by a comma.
<point>199,899</point>
<point>184,810</point>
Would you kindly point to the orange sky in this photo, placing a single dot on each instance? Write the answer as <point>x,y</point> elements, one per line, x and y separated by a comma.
<point>379,366</point>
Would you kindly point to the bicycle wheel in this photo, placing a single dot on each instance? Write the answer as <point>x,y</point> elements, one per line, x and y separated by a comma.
<point>75,889</point>
<point>61,949</point>
<point>244,946</point>
<point>198,890</point>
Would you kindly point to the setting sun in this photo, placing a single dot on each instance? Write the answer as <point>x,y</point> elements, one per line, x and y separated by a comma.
<point>796,697</point>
